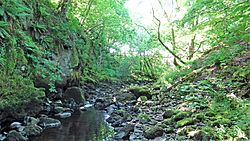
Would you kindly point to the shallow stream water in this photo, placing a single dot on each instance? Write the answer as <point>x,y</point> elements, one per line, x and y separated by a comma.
<point>88,125</point>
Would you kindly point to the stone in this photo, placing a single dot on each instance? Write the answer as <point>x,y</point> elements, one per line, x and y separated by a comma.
<point>2,137</point>
<point>15,125</point>
<point>47,122</point>
<point>124,132</point>
<point>58,103</point>
<point>64,114</point>
<point>167,121</point>
<point>15,136</point>
<point>169,130</point>
<point>59,109</point>
<point>30,120</point>
<point>168,114</point>
<point>153,132</point>
<point>125,97</point>
<point>141,91</point>
<point>33,130</point>
<point>76,93</point>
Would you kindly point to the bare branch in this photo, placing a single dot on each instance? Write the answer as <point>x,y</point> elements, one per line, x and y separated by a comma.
<point>162,43</point>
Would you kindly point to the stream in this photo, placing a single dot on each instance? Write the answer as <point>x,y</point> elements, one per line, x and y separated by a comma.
<point>88,125</point>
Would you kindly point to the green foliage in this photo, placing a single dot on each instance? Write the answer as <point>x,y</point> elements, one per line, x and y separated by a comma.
<point>226,21</point>
<point>16,91</point>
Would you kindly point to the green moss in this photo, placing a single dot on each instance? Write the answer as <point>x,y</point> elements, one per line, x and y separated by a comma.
<point>153,131</point>
<point>143,98</point>
<point>74,59</point>
<point>167,122</point>
<point>141,91</point>
<point>200,116</point>
<point>181,115</point>
<point>185,121</point>
<point>16,91</point>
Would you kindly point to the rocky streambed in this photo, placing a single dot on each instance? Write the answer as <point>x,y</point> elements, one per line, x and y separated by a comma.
<point>107,111</point>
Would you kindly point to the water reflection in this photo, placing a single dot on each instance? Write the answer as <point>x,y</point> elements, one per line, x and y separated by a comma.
<point>81,126</point>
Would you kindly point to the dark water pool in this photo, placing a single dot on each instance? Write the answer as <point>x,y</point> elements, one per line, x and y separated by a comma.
<point>81,126</point>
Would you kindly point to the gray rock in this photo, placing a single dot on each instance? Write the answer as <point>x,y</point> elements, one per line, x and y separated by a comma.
<point>49,122</point>
<point>15,125</point>
<point>58,103</point>
<point>76,93</point>
<point>15,136</point>
<point>124,132</point>
<point>64,114</point>
<point>2,137</point>
<point>30,120</point>
<point>59,109</point>
<point>33,130</point>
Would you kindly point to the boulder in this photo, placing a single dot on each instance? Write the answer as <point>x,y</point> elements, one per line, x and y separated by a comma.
<point>153,132</point>
<point>30,120</point>
<point>125,97</point>
<point>64,114</point>
<point>15,136</point>
<point>125,132</point>
<point>47,122</point>
<point>15,125</point>
<point>141,91</point>
<point>75,93</point>
<point>33,130</point>
<point>168,114</point>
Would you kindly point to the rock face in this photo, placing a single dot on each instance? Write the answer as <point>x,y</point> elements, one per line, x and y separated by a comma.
<point>75,93</point>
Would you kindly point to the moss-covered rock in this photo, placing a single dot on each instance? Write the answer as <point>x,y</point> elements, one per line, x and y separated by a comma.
<point>33,130</point>
<point>168,113</point>
<point>199,116</point>
<point>168,121</point>
<point>141,91</point>
<point>17,91</point>
<point>123,97</point>
<point>185,121</point>
<point>181,115</point>
<point>153,132</point>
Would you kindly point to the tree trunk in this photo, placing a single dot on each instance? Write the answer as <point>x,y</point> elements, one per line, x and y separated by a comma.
<point>174,46</point>
<point>191,48</point>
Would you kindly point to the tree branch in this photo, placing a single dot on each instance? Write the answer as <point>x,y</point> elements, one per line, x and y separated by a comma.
<point>162,43</point>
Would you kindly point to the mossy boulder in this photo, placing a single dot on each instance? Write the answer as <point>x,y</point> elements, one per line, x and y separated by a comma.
<point>181,115</point>
<point>140,91</point>
<point>33,130</point>
<point>185,121</point>
<point>168,113</point>
<point>123,97</point>
<point>76,93</point>
<point>153,132</point>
